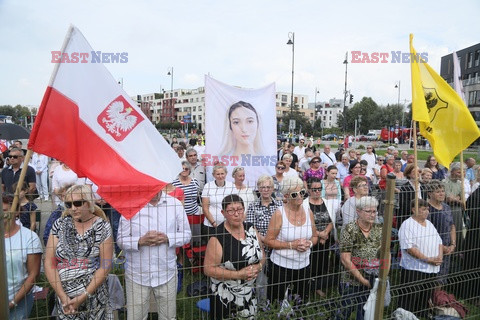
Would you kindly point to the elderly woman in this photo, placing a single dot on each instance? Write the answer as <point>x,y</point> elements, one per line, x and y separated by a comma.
<point>244,191</point>
<point>324,226</point>
<point>425,178</point>
<point>280,168</point>
<point>291,234</point>
<point>233,260</point>
<point>23,257</point>
<point>79,257</point>
<point>442,218</point>
<point>289,171</point>
<point>190,189</point>
<point>212,196</point>
<point>259,214</point>
<point>422,255</point>
<point>437,172</point>
<point>397,170</point>
<point>316,170</point>
<point>360,189</point>
<point>354,171</point>
<point>360,242</point>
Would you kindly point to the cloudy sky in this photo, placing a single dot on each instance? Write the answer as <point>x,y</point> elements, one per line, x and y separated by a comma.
<point>241,43</point>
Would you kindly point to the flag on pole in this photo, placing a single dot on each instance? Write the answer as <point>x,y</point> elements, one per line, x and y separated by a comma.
<point>87,121</point>
<point>443,117</point>
<point>457,77</point>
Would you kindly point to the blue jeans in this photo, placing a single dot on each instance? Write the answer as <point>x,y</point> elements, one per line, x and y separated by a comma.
<point>352,296</point>
<point>23,309</point>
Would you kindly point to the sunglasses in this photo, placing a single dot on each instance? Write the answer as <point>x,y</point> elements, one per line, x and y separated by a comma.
<point>316,189</point>
<point>186,169</point>
<point>281,168</point>
<point>302,193</point>
<point>14,157</point>
<point>315,161</point>
<point>77,204</point>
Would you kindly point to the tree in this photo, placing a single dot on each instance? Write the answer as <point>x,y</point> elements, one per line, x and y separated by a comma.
<point>300,120</point>
<point>368,109</point>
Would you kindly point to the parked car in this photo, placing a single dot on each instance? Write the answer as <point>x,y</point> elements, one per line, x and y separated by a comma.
<point>372,137</point>
<point>361,138</point>
<point>329,137</point>
<point>282,137</point>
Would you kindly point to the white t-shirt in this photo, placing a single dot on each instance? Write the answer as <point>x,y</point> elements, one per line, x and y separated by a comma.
<point>215,196</point>
<point>290,173</point>
<point>300,152</point>
<point>17,248</point>
<point>328,159</point>
<point>62,178</point>
<point>426,239</point>
<point>246,195</point>
<point>349,211</point>
<point>371,159</point>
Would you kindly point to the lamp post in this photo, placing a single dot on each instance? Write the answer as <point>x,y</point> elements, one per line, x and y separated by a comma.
<point>291,41</point>
<point>398,100</point>
<point>345,62</point>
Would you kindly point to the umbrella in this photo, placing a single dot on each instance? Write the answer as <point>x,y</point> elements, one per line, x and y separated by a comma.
<point>10,131</point>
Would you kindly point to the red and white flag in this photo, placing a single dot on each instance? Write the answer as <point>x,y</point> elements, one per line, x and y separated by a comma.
<point>87,121</point>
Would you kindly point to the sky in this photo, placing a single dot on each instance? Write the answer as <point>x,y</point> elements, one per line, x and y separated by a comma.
<point>241,43</point>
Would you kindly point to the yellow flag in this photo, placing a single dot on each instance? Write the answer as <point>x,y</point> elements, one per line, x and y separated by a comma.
<point>443,117</point>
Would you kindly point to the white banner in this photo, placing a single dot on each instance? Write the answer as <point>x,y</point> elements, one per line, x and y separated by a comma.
<point>240,129</point>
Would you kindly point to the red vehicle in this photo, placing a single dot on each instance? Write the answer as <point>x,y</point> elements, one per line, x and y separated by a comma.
<point>389,134</point>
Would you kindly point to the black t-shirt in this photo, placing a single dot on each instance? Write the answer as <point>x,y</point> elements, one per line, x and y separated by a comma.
<point>9,178</point>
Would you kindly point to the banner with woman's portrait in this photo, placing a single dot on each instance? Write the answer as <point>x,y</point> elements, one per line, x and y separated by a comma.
<point>240,129</point>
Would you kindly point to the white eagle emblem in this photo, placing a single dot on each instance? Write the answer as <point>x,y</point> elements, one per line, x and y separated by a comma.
<point>118,119</point>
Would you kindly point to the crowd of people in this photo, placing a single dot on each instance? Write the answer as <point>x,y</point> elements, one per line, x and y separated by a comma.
<point>313,228</point>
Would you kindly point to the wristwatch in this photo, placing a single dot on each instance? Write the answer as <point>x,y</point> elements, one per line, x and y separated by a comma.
<point>87,294</point>
<point>13,302</point>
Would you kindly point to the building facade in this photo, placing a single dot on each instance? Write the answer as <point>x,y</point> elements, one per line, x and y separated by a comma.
<point>329,112</point>
<point>470,72</point>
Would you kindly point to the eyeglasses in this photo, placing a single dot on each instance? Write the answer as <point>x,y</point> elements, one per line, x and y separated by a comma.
<point>192,155</point>
<point>380,160</point>
<point>77,204</point>
<point>315,161</point>
<point>231,212</point>
<point>13,157</point>
<point>281,168</point>
<point>264,188</point>
<point>315,189</point>
<point>300,193</point>
<point>186,169</point>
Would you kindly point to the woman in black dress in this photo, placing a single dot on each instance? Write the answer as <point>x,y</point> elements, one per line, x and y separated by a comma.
<point>233,259</point>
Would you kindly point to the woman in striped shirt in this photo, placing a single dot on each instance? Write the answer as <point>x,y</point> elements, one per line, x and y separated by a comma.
<point>191,190</point>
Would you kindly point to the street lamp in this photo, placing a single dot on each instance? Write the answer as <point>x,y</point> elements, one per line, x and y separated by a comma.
<point>398,100</point>
<point>345,62</point>
<point>170,73</point>
<point>291,41</point>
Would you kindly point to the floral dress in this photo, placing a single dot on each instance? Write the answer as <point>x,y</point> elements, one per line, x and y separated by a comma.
<point>236,298</point>
<point>78,257</point>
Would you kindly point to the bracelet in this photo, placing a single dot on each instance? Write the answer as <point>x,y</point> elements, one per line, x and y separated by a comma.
<point>311,243</point>
<point>290,244</point>
<point>13,302</point>
<point>87,294</point>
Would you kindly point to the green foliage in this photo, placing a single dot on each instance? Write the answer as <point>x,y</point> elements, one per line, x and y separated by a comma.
<point>18,113</point>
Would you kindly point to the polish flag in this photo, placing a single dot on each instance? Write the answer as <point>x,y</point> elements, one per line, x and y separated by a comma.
<point>87,121</point>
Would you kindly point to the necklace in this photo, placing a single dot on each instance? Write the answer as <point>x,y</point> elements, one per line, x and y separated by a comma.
<point>81,221</point>
<point>293,214</point>
<point>364,230</point>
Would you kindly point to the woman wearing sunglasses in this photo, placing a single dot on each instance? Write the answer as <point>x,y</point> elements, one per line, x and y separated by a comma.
<point>278,178</point>
<point>291,234</point>
<point>315,171</point>
<point>324,226</point>
<point>233,260</point>
<point>79,257</point>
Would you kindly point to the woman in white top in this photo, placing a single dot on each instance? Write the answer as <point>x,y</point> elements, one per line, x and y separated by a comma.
<point>242,190</point>
<point>212,196</point>
<point>62,176</point>
<point>289,172</point>
<point>359,185</point>
<point>291,233</point>
<point>422,255</point>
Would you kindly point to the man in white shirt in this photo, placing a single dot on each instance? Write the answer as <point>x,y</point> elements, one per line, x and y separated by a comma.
<point>304,164</point>
<point>370,157</point>
<point>149,240</point>
<point>343,168</point>
<point>327,156</point>
<point>40,163</point>
<point>404,156</point>
<point>300,149</point>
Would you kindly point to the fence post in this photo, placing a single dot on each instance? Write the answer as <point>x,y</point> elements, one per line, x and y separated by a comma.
<point>385,248</point>
<point>3,267</point>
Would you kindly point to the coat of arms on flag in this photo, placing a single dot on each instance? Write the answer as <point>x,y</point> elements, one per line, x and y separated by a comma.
<point>119,118</point>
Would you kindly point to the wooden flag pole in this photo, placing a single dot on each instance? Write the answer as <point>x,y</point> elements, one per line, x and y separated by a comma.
<point>462,171</point>
<point>416,164</point>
